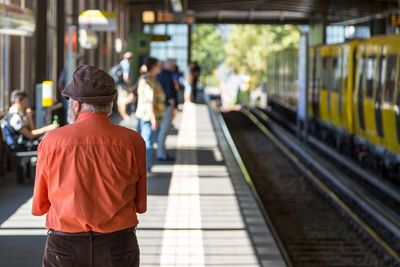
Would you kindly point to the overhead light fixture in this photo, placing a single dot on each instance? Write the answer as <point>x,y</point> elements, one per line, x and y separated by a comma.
<point>98,20</point>
<point>148,17</point>
<point>176,6</point>
<point>118,45</point>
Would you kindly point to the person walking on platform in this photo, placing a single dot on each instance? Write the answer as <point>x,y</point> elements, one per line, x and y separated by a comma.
<point>122,76</point>
<point>167,80</point>
<point>90,180</point>
<point>150,106</point>
<point>194,75</point>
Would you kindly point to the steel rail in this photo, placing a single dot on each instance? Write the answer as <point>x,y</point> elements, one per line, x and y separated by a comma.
<point>349,163</point>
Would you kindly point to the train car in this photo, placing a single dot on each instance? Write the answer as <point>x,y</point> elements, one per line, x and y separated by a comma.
<point>353,98</point>
<point>282,78</point>
<point>331,88</point>
<point>376,97</point>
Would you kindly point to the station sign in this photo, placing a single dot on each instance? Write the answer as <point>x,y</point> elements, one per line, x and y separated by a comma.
<point>395,20</point>
<point>97,20</point>
<point>15,20</point>
<point>151,17</point>
<point>165,17</point>
<point>160,38</point>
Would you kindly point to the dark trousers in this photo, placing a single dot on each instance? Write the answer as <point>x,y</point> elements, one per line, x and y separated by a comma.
<point>111,250</point>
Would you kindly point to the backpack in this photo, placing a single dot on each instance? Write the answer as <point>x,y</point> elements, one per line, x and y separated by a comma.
<point>116,73</point>
<point>13,139</point>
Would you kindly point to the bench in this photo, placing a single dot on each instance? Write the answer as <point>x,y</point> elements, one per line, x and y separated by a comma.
<point>24,161</point>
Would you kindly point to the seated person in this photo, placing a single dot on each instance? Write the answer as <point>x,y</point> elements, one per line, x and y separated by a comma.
<point>21,125</point>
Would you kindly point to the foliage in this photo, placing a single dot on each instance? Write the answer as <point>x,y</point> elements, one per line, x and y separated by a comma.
<point>207,47</point>
<point>248,47</point>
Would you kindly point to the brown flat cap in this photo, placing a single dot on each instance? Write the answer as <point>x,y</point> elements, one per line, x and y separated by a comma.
<point>91,85</point>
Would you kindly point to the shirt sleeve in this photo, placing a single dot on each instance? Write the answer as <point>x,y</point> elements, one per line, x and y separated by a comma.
<point>141,186</point>
<point>40,203</point>
<point>17,122</point>
<point>125,67</point>
<point>175,77</point>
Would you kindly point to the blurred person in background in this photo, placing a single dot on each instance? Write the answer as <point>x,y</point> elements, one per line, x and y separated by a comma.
<point>121,74</point>
<point>193,79</point>
<point>169,82</point>
<point>21,128</point>
<point>150,106</point>
<point>133,95</point>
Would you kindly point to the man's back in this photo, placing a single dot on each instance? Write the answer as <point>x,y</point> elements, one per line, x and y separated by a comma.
<point>91,177</point>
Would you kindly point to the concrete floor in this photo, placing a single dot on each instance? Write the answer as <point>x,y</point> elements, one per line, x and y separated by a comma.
<point>200,212</point>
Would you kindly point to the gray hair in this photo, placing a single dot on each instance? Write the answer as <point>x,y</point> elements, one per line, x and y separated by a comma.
<point>107,109</point>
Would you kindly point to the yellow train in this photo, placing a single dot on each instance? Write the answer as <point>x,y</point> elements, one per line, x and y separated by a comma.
<point>354,98</point>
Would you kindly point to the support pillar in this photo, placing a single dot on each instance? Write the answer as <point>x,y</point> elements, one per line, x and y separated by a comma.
<point>378,26</point>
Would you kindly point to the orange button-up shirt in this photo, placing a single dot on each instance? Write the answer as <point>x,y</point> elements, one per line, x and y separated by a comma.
<point>90,176</point>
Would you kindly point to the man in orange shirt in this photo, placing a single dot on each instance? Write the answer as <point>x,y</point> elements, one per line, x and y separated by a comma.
<point>91,180</point>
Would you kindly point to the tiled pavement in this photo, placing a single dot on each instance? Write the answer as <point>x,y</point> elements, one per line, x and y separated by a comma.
<point>200,213</point>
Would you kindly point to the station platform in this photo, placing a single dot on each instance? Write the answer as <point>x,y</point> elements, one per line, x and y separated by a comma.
<point>200,210</point>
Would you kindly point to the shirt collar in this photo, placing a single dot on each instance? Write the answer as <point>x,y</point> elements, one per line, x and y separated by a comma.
<point>82,116</point>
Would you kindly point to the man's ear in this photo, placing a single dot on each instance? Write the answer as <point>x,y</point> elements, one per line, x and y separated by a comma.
<point>78,106</point>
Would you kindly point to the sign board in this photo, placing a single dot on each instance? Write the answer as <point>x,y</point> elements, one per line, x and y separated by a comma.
<point>160,38</point>
<point>395,20</point>
<point>97,20</point>
<point>165,17</point>
<point>47,93</point>
<point>182,17</point>
<point>16,21</point>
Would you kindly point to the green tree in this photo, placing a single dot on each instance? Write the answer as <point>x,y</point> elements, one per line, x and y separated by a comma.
<point>207,47</point>
<point>248,47</point>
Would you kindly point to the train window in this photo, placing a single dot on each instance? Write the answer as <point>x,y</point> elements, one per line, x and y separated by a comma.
<point>370,75</point>
<point>345,68</point>
<point>337,74</point>
<point>361,73</point>
<point>389,78</point>
<point>325,72</point>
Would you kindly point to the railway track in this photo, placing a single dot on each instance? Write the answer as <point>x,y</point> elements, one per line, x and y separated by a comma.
<point>315,225</point>
<point>376,199</point>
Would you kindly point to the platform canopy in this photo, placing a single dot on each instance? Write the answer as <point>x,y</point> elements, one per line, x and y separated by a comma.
<point>271,11</point>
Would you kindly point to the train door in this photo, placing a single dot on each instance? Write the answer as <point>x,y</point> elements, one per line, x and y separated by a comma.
<point>324,98</point>
<point>371,94</point>
<point>378,97</point>
<point>343,93</point>
<point>335,86</point>
<point>390,110</point>
<point>359,91</point>
<point>349,86</point>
